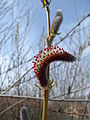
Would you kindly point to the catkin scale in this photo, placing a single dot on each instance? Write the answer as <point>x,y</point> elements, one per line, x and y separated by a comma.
<point>45,57</point>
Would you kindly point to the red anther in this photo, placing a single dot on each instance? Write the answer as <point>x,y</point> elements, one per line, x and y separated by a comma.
<point>35,71</point>
<point>44,53</point>
<point>34,56</point>
<point>37,60</point>
<point>41,51</point>
<point>51,54</point>
<point>61,52</point>
<point>37,65</point>
<point>34,63</point>
<point>39,55</point>
<point>57,51</point>
<point>55,47</point>
<point>59,48</point>
<point>40,60</point>
<point>54,51</point>
<point>62,48</point>
<point>65,51</point>
<point>43,56</point>
<point>48,55</point>
<point>45,48</point>
<point>33,67</point>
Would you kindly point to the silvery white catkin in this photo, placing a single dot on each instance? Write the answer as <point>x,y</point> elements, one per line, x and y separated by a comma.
<point>24,115</point>
<point>57,21</point>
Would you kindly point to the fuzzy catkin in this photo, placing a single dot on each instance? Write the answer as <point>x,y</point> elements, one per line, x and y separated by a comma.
<point>57,21</point>
<point>24,115</point>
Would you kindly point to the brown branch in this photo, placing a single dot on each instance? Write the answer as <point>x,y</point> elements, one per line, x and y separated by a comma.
<point>39,98</point>
<point>48,19</point>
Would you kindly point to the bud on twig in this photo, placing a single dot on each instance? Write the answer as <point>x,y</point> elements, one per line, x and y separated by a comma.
<point>24,115</point>
<point>55,27</point>
<point>57,22</point>
<point>44,58</point>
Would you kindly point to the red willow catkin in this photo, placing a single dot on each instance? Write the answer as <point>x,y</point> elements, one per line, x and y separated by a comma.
<point>45,57</point>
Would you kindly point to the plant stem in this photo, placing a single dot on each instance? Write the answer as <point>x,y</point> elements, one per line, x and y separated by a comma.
<point>45,104</point>
<point>48,19</point>
<point>46,92</point>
